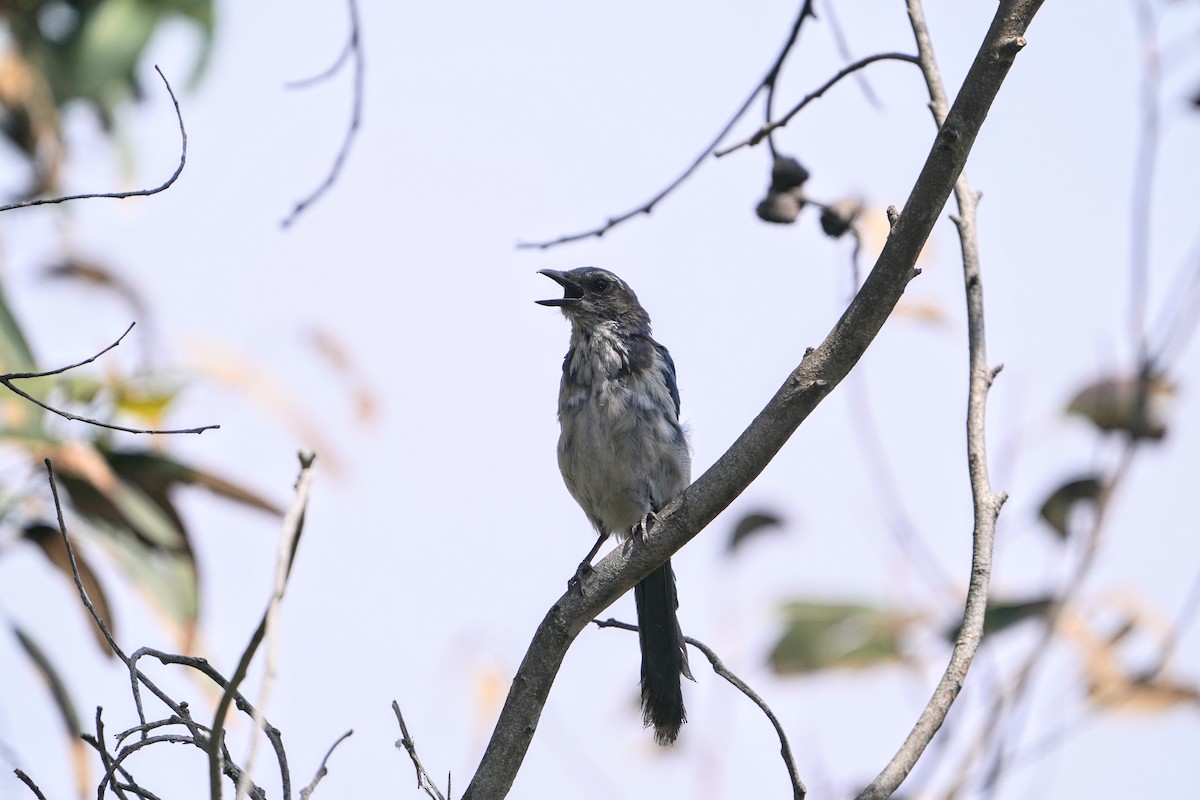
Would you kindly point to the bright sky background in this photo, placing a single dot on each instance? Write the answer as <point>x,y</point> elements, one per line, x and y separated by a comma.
<point>440,533</point>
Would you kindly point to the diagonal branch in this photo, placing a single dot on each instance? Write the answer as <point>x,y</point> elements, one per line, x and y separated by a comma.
<point>817,375</point>
<point>985,503</point>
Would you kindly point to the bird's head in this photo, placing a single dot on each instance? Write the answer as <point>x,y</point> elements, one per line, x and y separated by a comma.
<point>594,296</point>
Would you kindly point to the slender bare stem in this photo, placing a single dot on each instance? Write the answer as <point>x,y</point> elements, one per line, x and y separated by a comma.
<point>986,504</point>
<point>42,201</point>
<point>799,791</point>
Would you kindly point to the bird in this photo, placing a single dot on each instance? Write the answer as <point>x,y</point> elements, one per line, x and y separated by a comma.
<point>623,456</point>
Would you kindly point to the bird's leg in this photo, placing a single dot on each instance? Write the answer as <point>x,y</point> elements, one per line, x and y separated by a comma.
<point>585,566</point>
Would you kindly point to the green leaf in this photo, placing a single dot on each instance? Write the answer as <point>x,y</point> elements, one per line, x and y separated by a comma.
<point>1127,404</point>
<point>58,689</point>
<point>819,636</point>
<point>49,540</point>
<point>1057,508</point>
<point>1004,615</point>
<point>751,524</point>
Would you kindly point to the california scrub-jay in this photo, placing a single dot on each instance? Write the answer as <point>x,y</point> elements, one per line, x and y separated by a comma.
<point>623,456</point>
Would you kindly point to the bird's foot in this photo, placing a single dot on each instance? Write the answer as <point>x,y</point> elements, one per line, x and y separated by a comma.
<point>642,527</point>
<point>581,574</point>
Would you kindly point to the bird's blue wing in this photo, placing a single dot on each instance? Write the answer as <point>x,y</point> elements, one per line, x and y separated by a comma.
<point>668,368</point>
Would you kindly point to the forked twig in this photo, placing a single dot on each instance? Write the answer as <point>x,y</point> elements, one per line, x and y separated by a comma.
<point>799,791</point>
<point>7,379</point>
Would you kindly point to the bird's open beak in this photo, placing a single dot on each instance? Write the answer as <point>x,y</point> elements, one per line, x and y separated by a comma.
<point>572,291</point>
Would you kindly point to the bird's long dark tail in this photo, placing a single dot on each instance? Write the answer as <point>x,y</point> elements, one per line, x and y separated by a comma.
<point>664,654</point>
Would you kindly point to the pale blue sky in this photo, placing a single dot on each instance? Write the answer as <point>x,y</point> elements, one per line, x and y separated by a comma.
<point>484,126</point>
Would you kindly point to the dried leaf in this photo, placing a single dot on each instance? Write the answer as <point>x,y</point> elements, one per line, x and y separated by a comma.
<point>1064,500</point>
<point>1004,615</point>
<point>156,474</point>
<point>58,689</point>
<point>1127,404</point>
<point>49,540</point>
<point>820,636</point>
<point>95,275</point>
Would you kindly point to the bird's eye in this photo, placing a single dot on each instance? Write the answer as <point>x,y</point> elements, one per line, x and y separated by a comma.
<point>600,285</point>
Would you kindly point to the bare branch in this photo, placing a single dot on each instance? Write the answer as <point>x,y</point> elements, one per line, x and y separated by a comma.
<point>767,81</point>
<point>424,782</point>
<point>986,505</point>
<point>799,791</point>
<point>28,781</point>
<point>817,374</point>
<point>7,379</point>
<point>354,49</point>
<point>322,771</point>
<point>767,129</point>
<point>123,195</point>
<point>293,525</point>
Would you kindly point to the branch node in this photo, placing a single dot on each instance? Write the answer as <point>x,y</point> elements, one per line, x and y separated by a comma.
<point>893,216</point>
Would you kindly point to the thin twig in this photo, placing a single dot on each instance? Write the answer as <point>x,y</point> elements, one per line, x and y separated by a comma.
<point>799,791</point>
<point>123,195</point>
<point>293,525</point>
<point>322,771</point>
<point>843,47</point>
<point>648,206</point>
<point>354,48</point>
<point>406,742</point>
<point>28,781</point>
<point>199,735</point>
<point>766,130</point>
<point>1141,195</point>
<point>328,72</point>
<point>7,379</point>
<point>986,504</point>
<point>770,83</point>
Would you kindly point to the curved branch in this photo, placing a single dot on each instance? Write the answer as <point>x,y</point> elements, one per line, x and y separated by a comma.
<point>769,127</point>
<point>986,505</point>
<point>817,374</point>
<point>353,49</point>
<point>122,195</point>
<point>799,790</point>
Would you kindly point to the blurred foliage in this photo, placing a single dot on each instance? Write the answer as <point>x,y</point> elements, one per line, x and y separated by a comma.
<point>1001,615</point>
<point>752,524</point>
<point>119,490</point>
<point>58,51</point>
<point>819,636</point>
<point>1135,405</point>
